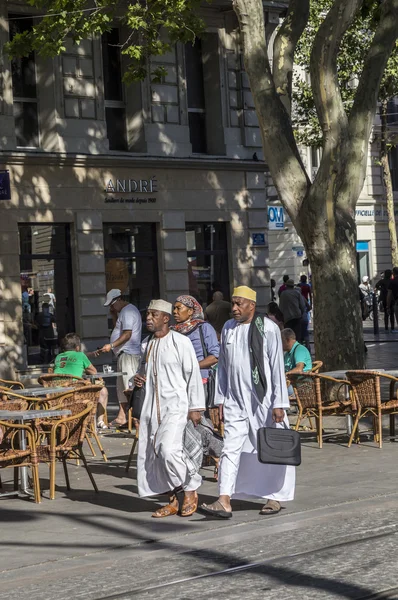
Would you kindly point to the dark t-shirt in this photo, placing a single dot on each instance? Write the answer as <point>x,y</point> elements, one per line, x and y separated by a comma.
<point>393,286</point>
<point>383,285</point>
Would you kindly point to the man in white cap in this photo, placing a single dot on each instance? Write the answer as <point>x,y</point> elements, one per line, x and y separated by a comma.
<point>173,395</point>
<point>125,343</point>
<point>252,390</point>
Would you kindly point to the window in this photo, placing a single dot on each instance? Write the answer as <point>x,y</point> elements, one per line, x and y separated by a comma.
<point>207,252</point>
<point>362,259</point>
<point>23,72</point>
<point>131,261</point>
<point>46,287</point>
<point>78,80</point>
<point>196,96</point>
<point>115,110</point>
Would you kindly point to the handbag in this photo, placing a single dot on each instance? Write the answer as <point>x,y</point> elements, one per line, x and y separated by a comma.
<point>276,446</point>
<point>211,379</point>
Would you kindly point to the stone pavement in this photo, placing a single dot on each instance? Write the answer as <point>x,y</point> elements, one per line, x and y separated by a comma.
<point>338,539</point>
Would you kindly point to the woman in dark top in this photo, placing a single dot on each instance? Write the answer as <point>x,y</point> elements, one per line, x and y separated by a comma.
<point>383,285</point>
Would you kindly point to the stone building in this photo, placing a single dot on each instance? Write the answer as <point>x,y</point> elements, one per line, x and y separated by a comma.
<point>156,189</point>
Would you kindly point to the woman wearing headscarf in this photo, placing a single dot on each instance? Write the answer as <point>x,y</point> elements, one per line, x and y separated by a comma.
<point>188,315</point>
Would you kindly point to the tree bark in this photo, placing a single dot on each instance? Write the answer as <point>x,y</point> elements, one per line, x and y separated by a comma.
<point>388,189</point>
<point>323,213</point>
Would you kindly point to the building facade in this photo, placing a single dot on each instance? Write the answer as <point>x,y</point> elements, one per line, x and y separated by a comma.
<point>156,189</point>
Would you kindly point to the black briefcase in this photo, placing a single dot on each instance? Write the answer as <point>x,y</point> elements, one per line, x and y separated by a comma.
<point>137,401</point>
<point>277,446</point>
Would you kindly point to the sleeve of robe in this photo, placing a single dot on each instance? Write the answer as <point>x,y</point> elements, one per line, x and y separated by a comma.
<point>273,343</point>
<point>221,381</point>
<point>193,378</point>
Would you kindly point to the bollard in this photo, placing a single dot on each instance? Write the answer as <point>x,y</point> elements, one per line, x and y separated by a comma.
<point>375,314</point>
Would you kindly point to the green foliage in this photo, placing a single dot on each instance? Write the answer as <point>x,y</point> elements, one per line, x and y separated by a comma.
<point>152,28</point>
<point>350,60</point>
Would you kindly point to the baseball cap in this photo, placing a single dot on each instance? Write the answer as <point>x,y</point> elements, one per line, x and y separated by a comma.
<point>111,296</point>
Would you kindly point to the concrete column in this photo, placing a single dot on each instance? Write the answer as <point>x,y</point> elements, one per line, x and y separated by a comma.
<point>174,255</point>
<point>90,284</point>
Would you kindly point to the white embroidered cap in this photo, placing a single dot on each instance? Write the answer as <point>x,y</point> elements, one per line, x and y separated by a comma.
<point>161,305</point>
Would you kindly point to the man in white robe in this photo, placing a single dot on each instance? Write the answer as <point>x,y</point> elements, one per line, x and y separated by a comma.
<point>174,393</point>
<point>241,475</point>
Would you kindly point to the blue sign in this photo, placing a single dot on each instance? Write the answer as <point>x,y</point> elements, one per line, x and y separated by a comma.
<point>276,219</point>
<point>258,239</point>
<point>300,253</point>
<point>5,190</point>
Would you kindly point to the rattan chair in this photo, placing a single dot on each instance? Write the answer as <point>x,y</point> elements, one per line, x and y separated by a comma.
<point>312,392</point>
<point>137,433</point>
<point>13,385</point>
<point>90,393</point>
<point>66,437</point>
<point>54,380</point>
<point>11,456</point>
<point>316,366</point>
<point>367,395</point>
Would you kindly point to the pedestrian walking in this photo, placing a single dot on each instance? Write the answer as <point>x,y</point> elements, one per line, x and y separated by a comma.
<point>283,286</point>
<point>125,343</point>
<point>294,308</point>
<point>383,285</point>
<point>173,395</point>
<point>252,391</point>
<point>218,312</point>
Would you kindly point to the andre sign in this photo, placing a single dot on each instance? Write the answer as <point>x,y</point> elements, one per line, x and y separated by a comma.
<point>276,218</point>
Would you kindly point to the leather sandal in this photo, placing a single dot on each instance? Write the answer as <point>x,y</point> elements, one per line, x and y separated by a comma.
<point>189,506</point>
<point>272,507</point>
<point>166,511</point>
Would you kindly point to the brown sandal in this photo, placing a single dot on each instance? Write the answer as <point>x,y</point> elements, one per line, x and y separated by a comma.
<point>272,507</point>
<point>189,506</point>
<point>166,511</point>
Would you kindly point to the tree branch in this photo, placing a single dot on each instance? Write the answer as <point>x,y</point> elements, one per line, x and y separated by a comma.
<point>365,103</point>
<point>280,148</point>
<point>323,68</point>
<point>284,47</point>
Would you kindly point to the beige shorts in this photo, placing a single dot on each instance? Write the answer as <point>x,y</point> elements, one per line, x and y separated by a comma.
<point>129,364</point>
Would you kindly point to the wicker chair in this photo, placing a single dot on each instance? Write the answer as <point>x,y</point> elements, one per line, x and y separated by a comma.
<point>137,433</point>
<point>66,437</point>
<point>13,385</point>
<point>52,380</point>
<point>316,366</point>
<point>11,456</point>
<point>313,400</point>
<point>90,393</point>
<point>367,395</point>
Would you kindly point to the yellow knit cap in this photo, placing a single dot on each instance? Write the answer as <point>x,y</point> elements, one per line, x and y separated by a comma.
<point>245,292</point>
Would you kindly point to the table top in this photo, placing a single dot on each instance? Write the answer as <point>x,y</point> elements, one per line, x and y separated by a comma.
<point>100,375</point>
<point>42,391</point>
<point>21,415</point>
<point>342,374</point>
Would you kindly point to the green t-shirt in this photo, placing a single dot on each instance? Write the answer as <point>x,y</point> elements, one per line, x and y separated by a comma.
<point>298,354</point>
<point>71,363</point>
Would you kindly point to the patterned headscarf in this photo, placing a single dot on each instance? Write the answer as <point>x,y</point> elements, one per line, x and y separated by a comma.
<point>196,319</point>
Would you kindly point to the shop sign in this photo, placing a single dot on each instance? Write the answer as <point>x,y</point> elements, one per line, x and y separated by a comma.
<point>276,218</point>
<point>131,186</point>
<point>5,189</point>
<point>258,239</point>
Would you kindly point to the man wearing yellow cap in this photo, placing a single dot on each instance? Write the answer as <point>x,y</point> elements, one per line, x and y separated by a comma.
<point>252,391</point>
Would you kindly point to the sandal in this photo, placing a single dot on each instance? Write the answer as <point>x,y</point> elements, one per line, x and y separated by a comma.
<point>166,511</point>
<point>215,510</point>
<point>272,507</point>
<point>189,506</point>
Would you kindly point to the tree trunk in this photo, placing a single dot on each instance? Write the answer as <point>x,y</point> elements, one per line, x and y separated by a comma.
<point>388,190</point>
<point>338,331</point>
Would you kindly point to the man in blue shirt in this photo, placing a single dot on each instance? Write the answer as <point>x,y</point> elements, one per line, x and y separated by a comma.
<point>297,357</point>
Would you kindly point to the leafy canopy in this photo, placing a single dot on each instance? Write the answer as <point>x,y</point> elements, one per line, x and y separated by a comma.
<point>152,28</point>
<point>350,60</point>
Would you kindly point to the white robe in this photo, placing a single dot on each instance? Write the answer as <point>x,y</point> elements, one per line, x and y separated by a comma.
<point>241,475</point>
<point>160,462</point>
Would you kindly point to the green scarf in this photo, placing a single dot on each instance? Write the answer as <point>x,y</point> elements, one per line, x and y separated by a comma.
<point>256,349</point>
